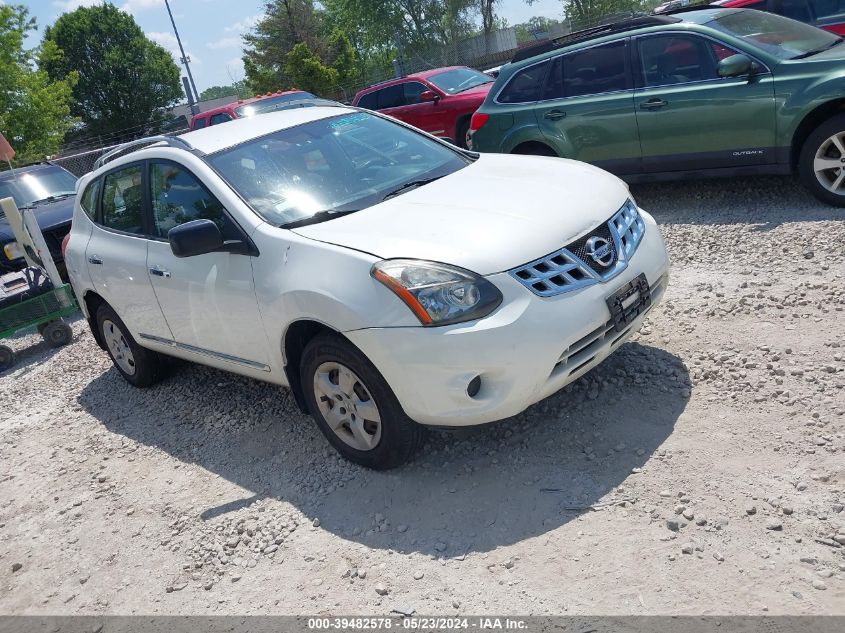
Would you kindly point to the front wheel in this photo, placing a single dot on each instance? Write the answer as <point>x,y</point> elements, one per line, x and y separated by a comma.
<point>56,333</point>
<point>821,164</point>
<point>354,406</point>
<point>7,357</point>
<point>462,134</point>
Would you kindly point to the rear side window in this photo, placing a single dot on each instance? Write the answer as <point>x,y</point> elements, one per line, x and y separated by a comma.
<point>198,123</point>
<point>829,8</point>
<point>525,85</point>
<point>794,9</point>
<point>369,100</point>
<point>595,70</point>
<point>88,202</point>
<point>123,205</point>
<point>222,117</point>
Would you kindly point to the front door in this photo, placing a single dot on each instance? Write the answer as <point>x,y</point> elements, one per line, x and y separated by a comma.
<point>586,108</point>
<point>426,115</point>
<point>208,300</point>
<point>117,253</point>
<point>689,117</point>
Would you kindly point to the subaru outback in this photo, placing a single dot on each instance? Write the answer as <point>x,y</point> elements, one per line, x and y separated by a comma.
<point>705,92</point>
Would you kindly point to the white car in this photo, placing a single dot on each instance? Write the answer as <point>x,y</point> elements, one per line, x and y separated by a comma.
<point>390,280</point>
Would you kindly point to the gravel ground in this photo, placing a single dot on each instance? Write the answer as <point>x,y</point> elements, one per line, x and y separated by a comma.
<point>701,469</point>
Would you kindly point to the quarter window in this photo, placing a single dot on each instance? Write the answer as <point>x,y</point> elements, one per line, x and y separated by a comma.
<point>88,202</point>
<point>525,85</point>
<point>678,59</point>
<point>177,197</point>
<point>123,206</point>
<point>369,100</point>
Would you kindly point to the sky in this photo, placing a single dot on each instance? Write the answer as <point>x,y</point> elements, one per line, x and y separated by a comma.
<point>211,29</point>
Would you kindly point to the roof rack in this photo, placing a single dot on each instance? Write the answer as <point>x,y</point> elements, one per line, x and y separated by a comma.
<point>701,6</point>
<point>171,141</point>
<point>601,30</point>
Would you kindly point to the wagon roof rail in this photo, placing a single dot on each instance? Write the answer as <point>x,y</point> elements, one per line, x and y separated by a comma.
<point>171,141</point>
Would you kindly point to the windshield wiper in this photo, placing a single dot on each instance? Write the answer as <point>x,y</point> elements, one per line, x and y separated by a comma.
<point>320,216</point>
<point>410,185</point>
<point>53,198</point>
<point>816,51</point>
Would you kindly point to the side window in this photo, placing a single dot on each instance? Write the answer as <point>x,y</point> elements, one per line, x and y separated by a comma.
<point>525,85</point>
<point>88,202</point>
<point>829,8</point>
<point>369,100</point>
<point>123,205</point>
<point>677,59</point>
<point>177,197</point>
<point>413,90</point>
<point>221,117</point>
<point>391,97</point>
<point>199,123</point>
<point>595,70</point>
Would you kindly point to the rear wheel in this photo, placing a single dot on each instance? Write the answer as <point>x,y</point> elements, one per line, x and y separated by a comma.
<point>354,406</point>
<point>7,357</point>
<point>534,149</point>
<point>821,164</point>
<point>139,366</point>
<point>462,134</point>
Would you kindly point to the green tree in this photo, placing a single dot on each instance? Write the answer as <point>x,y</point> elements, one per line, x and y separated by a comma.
<point>341,56</point>
<point>34,110</point>
<point>286,23</point>
<point>126,81</point>
<point>585,13</point>
<point>307,71</point>
<point>236,89</point>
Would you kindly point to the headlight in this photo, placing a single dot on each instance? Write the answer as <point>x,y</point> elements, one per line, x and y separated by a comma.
<point>438,294</point>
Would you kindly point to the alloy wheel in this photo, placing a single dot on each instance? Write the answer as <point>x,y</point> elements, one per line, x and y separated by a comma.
<point>118,347</point>
<point>347,406</point>
<point>829,163</point>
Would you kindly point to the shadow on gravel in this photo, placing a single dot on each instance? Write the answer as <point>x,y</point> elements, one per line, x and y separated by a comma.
<point>767,201</point>
<point>31,351</point>
<point>467,491</point>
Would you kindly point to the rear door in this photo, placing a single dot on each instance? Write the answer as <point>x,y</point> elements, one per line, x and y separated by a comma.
<point>586,107</point>
<point>689,117</point>
<point>117,253</point>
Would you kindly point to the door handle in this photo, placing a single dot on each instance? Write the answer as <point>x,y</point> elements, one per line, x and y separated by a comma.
<point>554,115</point>
<point>159,272</point>
<point>653,104</point>
<point>95,259</point>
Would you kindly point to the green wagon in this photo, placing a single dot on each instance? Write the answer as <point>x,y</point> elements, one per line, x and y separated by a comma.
<point>45,311</point>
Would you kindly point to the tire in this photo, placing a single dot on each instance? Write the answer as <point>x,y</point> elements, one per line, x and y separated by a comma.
<point>386,437</point>
<point>461,131</point>
<point>57,333</point>
<point>139,366</point>
<point>828,184</point>
<point>41,327</point>
<point>7,357</point>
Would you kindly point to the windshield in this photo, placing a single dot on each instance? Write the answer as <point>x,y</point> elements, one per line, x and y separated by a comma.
<point>459,79</point>
<point>778,36</point>
<point>257,107</point>
<point>30,187</point>
<point>339,164</point>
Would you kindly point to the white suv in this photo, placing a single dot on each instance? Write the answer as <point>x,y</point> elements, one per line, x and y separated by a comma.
<point>390,280</point>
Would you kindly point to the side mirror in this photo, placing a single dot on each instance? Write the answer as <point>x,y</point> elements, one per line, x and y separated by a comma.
<point>735,66</point>
<point>197,237</point>
<point>429,95</point>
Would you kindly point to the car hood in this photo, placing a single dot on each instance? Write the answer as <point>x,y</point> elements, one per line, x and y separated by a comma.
<point>495,214</point>
<point>50,215</point>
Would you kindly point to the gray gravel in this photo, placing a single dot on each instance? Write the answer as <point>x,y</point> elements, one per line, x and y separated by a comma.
<point>698,470</point>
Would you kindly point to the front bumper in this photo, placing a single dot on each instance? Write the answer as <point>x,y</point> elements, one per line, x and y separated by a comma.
<point>528,349</point>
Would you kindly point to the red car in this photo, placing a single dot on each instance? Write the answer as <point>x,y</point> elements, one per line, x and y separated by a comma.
<point>246,107</point>
<point>440,101</point>
<point>825,14</point>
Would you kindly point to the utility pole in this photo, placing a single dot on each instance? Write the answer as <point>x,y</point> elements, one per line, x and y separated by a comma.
<point>185,59</point>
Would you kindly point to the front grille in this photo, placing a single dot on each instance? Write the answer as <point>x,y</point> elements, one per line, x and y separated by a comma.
<point>572,267</point>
